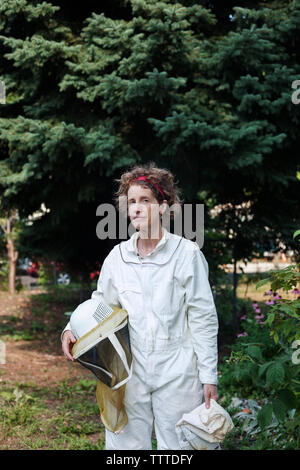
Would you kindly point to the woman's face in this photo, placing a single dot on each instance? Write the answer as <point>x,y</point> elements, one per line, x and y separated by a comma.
<point>143,208</point>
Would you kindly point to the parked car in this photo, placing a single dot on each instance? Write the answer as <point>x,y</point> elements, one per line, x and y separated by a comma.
<point>31,268</point>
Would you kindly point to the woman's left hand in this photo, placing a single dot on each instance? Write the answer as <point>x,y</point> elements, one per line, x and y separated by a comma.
<point>210,391</point>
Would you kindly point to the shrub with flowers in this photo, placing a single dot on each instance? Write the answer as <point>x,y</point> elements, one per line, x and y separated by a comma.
<point>265,362</point>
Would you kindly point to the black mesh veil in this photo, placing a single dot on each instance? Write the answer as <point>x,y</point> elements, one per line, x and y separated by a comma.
<point>104,361</point>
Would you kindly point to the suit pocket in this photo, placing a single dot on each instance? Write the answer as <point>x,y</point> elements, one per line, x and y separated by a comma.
<point>168,303</point>
<point>131,299</point>
<point>129,288</point>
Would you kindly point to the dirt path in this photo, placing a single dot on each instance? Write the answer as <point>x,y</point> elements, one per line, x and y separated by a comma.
<point>43,402</point>
<point>27,365</point>
<point>38,362</point>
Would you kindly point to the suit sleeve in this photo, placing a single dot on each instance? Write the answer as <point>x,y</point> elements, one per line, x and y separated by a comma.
<point>202,317</point>
<point>106,290</point>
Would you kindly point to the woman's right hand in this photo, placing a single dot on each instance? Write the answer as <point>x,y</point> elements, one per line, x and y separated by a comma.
<point>68,340</point>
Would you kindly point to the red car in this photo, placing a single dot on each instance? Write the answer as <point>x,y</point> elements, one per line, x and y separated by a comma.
<point>63,277</point>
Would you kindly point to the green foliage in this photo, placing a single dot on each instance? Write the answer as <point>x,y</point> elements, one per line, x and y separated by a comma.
<point>4,270</point>
<point>257,428</point>
<point>223,301</point>
<point>45,274</point>
<point>44,418</point>
<point>265,415</point>
<point>263,363</point>
<point>284,323</point>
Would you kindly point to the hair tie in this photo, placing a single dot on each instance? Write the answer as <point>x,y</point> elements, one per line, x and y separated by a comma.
<point>143,178</point>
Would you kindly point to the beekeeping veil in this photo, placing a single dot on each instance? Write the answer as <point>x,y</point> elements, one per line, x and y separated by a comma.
<point>103,347</point>
<point>204,428</point>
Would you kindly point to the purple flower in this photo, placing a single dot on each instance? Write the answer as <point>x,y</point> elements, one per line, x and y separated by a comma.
<point>257,310</point>
<point>242,334</point>
<point>296,291</point>
<point>269,292</point>
<point>259,317</point>
<point>270,302</point>
<point>261,322</point>
<point>255,305</point>
<point>277,296</point>
<point>243,317</point>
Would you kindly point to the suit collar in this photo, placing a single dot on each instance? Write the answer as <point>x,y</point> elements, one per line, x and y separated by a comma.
<point>161,253</point>
<point>134,238</point>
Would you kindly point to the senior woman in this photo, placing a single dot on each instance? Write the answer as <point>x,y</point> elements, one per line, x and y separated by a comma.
<point>161,279</point>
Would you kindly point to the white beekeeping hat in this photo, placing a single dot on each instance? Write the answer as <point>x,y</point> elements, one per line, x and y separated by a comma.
<point>103,347</point>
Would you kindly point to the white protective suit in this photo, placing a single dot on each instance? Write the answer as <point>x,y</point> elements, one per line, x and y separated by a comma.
<point>173,327</point>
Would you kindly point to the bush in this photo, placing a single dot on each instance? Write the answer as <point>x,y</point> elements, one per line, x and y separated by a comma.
<point>263,363</point>
<point>45,276</point>
<point>4,270</point>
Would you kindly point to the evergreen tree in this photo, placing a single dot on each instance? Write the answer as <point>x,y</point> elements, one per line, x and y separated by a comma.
<point>201,92</point>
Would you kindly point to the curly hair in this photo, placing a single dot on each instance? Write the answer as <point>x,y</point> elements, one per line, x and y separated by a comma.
<point>161,176</point>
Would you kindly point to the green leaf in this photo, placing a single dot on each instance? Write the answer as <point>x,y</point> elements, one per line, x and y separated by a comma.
<point>264,367</point>
<point>264,416</point>
<point>7,395</point>
<point>289,310</point>
<point>279,409</point>
<point>296,233</point>
<point>262,282</point>
<point>270,319</point>
<point>288,398</point>
<point>255,352</point>
<point>275,374</point>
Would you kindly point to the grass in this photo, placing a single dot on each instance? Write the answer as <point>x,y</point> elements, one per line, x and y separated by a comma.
<point>65,417</point>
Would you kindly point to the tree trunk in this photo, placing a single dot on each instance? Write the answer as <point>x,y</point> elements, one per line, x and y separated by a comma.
<point>12,258</point>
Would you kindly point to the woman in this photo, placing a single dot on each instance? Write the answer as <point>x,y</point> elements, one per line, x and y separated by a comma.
<point>161,279</point>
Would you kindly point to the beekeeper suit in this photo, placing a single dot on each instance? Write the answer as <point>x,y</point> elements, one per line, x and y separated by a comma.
<point>173,328</point>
